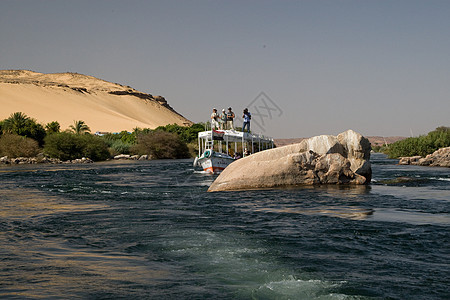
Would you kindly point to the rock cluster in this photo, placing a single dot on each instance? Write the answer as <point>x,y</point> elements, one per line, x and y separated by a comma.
<point>325,159</point>
<point>439,158</point>
<point>131,157</point>
<point>5,160</point>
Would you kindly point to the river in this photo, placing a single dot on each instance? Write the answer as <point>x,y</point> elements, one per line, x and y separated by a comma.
<point>149,230</point>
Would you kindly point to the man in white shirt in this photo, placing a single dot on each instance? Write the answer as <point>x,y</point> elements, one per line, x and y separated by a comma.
<point>214,119</point>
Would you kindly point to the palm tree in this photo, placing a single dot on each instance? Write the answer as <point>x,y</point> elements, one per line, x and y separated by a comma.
<point>15,123</point>
<point>79,127</point>
<point>53,127</point>
<point>136,130</point>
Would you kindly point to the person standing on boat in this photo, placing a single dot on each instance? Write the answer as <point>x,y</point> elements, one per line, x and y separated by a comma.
<point>230,117</point>
<point>214,119</point>
<point>247,117</point>
<point>223,120</point>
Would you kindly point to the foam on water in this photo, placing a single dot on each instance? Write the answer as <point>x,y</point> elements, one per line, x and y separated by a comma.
<point>442,179</point>
<point>246,267</point>
<point>291,288</point>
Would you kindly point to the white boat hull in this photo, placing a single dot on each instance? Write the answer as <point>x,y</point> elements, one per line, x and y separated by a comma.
<point>216,163</point>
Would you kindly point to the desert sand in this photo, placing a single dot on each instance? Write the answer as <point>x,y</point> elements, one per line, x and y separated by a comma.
<point>69,97</point>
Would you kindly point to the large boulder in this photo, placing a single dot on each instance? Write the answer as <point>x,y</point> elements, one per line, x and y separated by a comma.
<point>322,159</point>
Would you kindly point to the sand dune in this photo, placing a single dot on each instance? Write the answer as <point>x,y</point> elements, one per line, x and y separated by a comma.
<point>69,97</point>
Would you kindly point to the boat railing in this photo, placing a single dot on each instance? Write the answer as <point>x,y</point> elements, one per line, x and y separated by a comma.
<point>208,125</point>
<point>233,134</point>
<point>208,144</point>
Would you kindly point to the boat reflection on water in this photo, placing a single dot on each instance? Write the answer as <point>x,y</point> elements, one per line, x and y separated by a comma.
<point>319,205</point>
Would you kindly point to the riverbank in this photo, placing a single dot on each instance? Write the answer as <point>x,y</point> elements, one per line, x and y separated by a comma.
<point>5,160</point>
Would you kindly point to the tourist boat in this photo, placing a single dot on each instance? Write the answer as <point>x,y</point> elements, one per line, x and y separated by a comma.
<point>219,148</point>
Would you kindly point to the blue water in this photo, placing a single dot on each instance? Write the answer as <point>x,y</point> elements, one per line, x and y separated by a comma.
<point>149,230</point>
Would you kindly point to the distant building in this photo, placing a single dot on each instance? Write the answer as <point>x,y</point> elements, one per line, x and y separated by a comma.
<point>101,133</point>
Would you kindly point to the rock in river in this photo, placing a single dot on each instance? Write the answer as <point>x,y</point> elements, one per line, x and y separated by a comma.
<point>324,159</point>
<point>439,158</point>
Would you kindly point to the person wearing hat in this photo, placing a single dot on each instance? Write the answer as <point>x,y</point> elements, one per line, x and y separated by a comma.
<point>247,117</point>
<point>230,117</point>
<point>214,119</point>
<point>223,120</point>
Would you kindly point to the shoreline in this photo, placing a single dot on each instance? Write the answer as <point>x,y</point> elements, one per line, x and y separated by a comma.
<point>6,161</point>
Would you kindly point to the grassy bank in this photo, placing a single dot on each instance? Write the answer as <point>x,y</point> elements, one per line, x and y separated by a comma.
<point>422,145</point>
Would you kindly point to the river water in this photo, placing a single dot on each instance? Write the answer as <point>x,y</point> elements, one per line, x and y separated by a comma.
<point>149,230</point>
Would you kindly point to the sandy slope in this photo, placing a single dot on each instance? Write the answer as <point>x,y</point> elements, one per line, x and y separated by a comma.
<point>66,97</point>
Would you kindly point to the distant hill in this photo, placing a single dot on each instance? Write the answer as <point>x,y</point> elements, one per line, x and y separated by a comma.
<point>374,140</point>
<point>69,97</point>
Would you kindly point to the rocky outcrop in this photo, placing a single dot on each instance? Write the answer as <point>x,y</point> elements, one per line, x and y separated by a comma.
<point>325,159</point>
<point>148,97</point>
<point>439,158</point>
<point>131,157</point>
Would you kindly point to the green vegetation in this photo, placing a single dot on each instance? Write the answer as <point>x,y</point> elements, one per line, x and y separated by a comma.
<point>21,135</point>
<point>13,145</point>
<point>120,143</point>
<point>422,145</point>
<point>52,127</point>
<point>79,127</point>
<point>68,146</point>
<point>119,147</point>
<point>160,144</point>
<point>187,134</point>
<point>378,148</point>
<point>20,124</point>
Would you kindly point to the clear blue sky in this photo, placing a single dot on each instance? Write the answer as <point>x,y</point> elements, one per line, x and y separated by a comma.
<point>378,67</point>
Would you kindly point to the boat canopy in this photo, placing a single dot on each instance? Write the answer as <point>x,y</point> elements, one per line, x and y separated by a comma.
<point>258,142</point>
<point>234,136</point>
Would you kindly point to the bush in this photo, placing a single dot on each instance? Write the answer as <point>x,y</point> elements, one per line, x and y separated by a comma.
<point>377,148</point>
<point>124,136</point>
<point>119,147</point>
<point>422,145</point>
<point>20,124</point>
<point>68,146</point>
<point>94,147</point>
<point>13,145</point>
<point>160,144</point>
<point>193,148</point>
<point>120,143</point>
<point>187,134</point>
